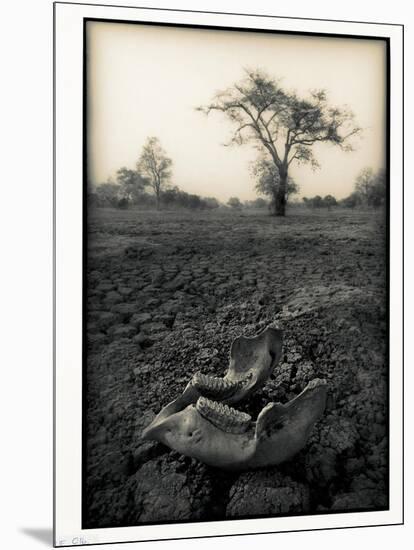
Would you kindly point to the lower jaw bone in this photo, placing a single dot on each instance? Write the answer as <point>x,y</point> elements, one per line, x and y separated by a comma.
<point>226,438</point>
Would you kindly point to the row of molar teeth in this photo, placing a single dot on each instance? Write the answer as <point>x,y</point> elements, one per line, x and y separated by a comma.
<point>222,416</point>
<point>214,386</point>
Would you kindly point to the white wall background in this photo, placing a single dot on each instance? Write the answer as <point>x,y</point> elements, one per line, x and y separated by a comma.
<point>26,274</point>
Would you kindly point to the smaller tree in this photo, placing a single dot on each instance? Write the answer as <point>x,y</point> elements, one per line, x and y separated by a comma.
<point>195,201</point>
<point>234,202</point>
<point>378,191</point>
<point>211,203</point>
<point>328,201</point>
<point>108,193</point>
<point>363,183</point>
<point>170,197</point>
<point>370,187</point>
<point>351,201</point>
<point>123,203</point>
<point>314,202</point>
<point>132,184</point>
<point>259,203</point>
<point>155,166</point>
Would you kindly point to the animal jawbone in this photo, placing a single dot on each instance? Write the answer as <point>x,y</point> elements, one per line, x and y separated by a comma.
<point>201,423</point>
<point>230,439</point>
<point>252,361</point>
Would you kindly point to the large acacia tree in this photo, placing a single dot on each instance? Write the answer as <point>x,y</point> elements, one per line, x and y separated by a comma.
<point>155,166</point>
<point>283,124</point>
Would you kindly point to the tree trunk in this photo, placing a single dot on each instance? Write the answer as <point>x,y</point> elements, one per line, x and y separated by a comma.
<point>273,202</point>
<point>280,193</point>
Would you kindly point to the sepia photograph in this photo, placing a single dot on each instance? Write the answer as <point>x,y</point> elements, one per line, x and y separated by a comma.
<point>204,310</point>
<point>236,274</point>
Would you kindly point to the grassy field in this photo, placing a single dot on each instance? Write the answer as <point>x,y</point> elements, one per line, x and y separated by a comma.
<point>169,291</point>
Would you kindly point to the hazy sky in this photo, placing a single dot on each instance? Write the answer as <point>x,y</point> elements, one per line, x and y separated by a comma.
<point>146,81</point>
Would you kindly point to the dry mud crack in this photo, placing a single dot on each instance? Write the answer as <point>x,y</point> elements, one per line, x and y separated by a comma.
<point>168,292</point>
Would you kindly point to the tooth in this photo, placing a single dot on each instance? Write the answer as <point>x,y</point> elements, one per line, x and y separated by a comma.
<point>222,416</point>
<point>214,387</point>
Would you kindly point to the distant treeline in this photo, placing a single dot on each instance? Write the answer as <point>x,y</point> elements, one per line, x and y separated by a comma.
<point>129,189</point>
<point>370,191</point>
<point>115,194</point>
<point>118,195</point>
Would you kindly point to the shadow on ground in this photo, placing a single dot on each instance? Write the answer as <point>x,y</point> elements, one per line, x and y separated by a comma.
<point>44,535</point>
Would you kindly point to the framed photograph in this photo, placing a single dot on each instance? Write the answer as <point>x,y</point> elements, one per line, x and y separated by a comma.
<point>228,274</point>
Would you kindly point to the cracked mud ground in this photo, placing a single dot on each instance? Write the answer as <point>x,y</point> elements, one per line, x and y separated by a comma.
<point>168,292</point>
